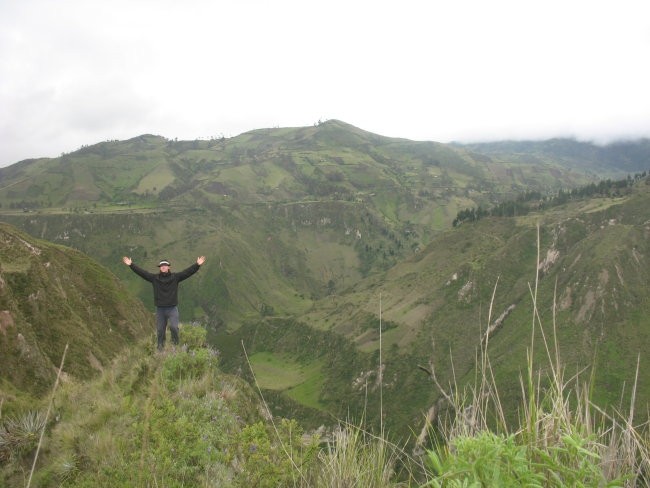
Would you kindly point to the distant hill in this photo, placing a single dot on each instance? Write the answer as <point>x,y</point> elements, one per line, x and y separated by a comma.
<point>51,296</point>
<point>604,160</point>
<point>332,160</point>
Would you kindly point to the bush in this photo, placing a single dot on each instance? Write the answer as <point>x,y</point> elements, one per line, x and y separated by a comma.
<point>266,460</point>
<point>486,459</point>
<point>188,365</point>
<point>193,337</point>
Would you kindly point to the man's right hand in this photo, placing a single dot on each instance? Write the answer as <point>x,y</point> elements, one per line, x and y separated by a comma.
<point>127,260</point>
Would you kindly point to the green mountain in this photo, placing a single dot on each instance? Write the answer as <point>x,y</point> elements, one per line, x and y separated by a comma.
<point>317,237</point>
<point>296,213</point>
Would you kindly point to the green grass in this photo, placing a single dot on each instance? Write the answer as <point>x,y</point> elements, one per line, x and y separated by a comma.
<point>155,181</point>
<point>329,258</point>
<point>274,175</point>
<point>146,421</point>
<point>240,176</point>
<point>302,382</point>
<point>308,392</point>
<point>276,372</point>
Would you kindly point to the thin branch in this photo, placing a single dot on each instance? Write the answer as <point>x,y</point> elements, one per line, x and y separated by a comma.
<point>40,440</point>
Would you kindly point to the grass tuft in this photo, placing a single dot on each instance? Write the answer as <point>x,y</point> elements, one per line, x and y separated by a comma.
<point>355,458</point>
<point>19,435</point>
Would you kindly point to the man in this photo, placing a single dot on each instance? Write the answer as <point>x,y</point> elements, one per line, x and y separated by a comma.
<point>165,294</point>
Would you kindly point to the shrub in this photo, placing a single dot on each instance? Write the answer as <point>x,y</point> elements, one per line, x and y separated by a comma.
<point>188,365</point>
<point>485,459</point>
<point>193,337</point>
<point>270,459</point>
<point>19,435</point>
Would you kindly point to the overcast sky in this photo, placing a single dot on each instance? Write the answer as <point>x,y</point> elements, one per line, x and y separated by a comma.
<point>78,72</point>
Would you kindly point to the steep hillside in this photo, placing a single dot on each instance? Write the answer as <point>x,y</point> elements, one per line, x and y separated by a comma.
<point>146,420</point>
<point>260,258</point>
<point>436,307</point>
<point>51,296</point>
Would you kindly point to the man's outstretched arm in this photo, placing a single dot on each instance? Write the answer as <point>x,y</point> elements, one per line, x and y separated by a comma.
<point>137,270</point>
<point>186,273</point>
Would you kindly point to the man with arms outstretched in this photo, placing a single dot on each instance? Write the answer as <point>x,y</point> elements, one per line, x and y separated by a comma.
<point>165,294</point>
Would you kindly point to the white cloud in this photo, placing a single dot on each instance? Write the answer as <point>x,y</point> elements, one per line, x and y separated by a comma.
<point>77,72</point>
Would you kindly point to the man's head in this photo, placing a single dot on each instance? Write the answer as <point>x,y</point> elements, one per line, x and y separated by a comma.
<point>164,266</point>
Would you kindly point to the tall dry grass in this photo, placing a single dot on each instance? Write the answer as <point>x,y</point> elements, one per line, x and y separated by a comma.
<point>562,437</point>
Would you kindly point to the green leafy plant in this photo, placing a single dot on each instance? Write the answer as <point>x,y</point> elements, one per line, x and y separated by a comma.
<point>265,460</point>
<point>486,459</point>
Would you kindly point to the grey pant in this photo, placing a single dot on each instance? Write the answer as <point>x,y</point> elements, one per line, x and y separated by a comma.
<point>164,315</point>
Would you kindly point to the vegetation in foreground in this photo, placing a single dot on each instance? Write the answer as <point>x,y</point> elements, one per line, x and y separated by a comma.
<point>170,419</point>
<point>562,438</point>
<point>175,419</point>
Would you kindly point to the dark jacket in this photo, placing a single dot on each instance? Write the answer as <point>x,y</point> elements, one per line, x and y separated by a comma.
<point>165,285</point>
